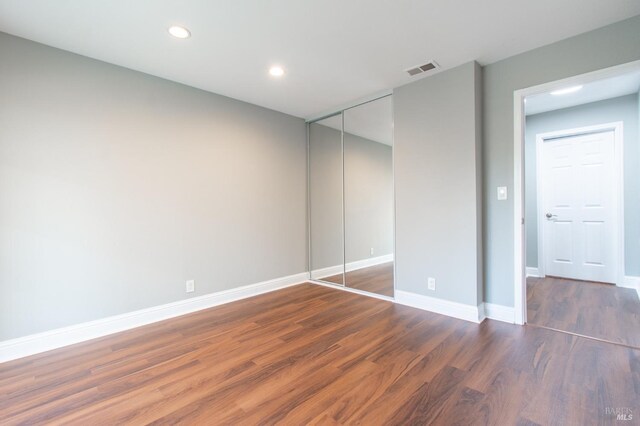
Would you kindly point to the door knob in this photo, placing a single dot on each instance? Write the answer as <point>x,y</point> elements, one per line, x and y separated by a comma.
<point>549,215</point>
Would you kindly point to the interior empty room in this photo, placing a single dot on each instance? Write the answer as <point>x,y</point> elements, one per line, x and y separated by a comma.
<point>319,212</point>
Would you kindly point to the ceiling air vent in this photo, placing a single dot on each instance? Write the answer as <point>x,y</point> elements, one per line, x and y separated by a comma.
<point>419,69</point>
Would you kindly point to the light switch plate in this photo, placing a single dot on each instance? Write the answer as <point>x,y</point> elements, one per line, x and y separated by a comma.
<point>502,193</point>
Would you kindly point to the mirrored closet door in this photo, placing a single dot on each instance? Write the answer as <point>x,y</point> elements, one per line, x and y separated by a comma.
<point>325,200</point>
<point>351,198</point>
<point>368,196</point>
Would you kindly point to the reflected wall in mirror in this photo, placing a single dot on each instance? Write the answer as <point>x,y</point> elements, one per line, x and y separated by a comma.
<point>368,196</point>
<point>325,200</point>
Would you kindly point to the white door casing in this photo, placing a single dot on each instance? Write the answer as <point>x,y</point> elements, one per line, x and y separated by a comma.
<point>579,188</point>
<point>518,222</point>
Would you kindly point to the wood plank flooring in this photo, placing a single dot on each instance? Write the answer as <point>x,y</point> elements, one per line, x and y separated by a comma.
<point>602,311</point>
<point>374,279</point>
<point>314,355</point>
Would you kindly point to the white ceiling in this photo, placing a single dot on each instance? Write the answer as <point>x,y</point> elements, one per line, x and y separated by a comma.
<point>592,92</point>
<point>333,51</point>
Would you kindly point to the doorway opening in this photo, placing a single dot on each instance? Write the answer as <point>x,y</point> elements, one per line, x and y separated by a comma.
<point>577,209</point>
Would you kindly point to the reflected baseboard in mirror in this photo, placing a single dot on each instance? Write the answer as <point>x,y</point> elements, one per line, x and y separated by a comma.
<point>374,275</point>
<point>376,279</point>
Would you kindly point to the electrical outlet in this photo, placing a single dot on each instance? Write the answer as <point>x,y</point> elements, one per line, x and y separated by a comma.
<point>431,283</point>
<point>190,286</point>
<point>371,251</point>
<point>502,193</point>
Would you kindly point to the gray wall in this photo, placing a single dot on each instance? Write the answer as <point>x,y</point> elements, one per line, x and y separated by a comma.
<point>368,189</point>
<point>623,109</point>
<point>116,187</point>
<point>437,180</point>
<point>612,45</point>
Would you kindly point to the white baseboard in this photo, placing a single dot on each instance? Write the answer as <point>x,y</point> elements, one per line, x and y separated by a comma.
<point>500,313</point>
<point>631,282</point>
<point>351,266</point>
<point>48,340</point>
<point>533,272</point>
<point>440,306</point>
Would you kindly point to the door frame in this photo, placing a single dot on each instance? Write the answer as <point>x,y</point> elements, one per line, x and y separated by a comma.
<point>618,190</point>
<point>519,263</point>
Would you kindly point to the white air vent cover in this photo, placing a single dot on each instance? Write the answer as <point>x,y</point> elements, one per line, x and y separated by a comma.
<point>419,69</point>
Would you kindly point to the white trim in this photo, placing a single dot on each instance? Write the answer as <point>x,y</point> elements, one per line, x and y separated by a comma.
<point>440,306</point>
<point>519,237</point>
<point>482,313</point>
<point>499,312</point>
<point>533,272</point>
<point>540,213</point>
<point>520,303</point>
<point>393,178</point>
<point>631,282</point>
<point>351,266</point>
<point>618,191</point>
<point>48,340</point>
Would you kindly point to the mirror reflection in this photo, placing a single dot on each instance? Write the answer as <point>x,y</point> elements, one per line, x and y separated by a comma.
<point>368,196</point>
<point>325,199</point>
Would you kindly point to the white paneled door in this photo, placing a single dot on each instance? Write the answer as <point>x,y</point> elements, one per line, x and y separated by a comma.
<point>578,179</point>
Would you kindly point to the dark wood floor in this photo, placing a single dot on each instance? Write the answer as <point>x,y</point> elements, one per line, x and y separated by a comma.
<point>602,311</point>
<point>314,355</point>
<point>374,279</point>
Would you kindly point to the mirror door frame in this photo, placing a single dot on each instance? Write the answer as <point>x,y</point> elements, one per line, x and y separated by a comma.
<point>316,119</point>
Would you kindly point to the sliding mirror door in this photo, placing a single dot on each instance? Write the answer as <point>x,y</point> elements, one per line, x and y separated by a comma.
<point>368,197</point>
<point>325,199</point>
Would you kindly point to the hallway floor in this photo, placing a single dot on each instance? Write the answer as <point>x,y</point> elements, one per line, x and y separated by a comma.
<point>602,311</point>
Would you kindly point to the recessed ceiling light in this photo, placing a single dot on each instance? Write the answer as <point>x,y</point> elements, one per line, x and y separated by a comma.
<point>179,32</point>
<point>276,71</point>
<point>566,91</point>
